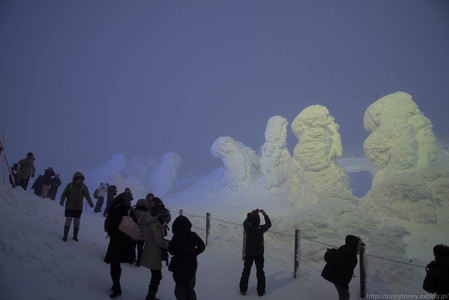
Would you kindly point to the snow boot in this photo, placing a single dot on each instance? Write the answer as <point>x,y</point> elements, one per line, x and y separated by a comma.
<point>75,233</point>
<point>151,294</point>
<point>66,233</point>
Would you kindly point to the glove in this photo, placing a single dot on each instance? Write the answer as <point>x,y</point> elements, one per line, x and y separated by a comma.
<point>91,205</point>
<point>62,203</point>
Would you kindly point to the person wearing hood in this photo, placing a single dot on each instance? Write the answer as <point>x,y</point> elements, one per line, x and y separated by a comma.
<point>54,184</point>
<point>151,256</point>
<point>26,169</point>
<point>437,277</point>
<point>254,250</point>
<point>120,248</point>
<point>185,246</point>
<point>75,192</point>
<point>340,265</point>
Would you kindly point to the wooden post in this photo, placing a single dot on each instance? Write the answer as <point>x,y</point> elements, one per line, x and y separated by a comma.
<point>296,263</point>
<point>181,212</point>
<point>362,272</point>
<point>207,227</point>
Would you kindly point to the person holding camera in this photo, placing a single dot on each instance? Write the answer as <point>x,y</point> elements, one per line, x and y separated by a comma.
<point>254,250</point>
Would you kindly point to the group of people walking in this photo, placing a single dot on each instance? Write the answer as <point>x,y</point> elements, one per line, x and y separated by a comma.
<point>152,217</point>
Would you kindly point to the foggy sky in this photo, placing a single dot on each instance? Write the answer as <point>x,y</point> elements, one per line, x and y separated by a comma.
<point>82,80</point>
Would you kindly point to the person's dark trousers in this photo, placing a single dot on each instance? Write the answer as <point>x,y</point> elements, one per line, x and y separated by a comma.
<point>26,182</point>
<point>185,290</point>
<point>99,204</point>
<point>139,246</point>
<point>260,274</point>
<point>23,183</point>
<point>343,293</point>
<point>156,277</point>
<point>116,271</point>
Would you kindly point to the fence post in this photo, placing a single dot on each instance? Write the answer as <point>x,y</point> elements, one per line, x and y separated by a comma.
<point>207,227</point>
<point>181,212</point>
<point>362,272</point>
<point>296,263</point>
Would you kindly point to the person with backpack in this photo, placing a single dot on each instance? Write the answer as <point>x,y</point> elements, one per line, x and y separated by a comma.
<point>185,246</point>
<point>26,169</point>
<point>340,264</point>
<point>75,192</point>
<point>99,194</point>
<point>437,273</point>
<point>120,248</point>
<point>155,242</point>
<point>254,250</point>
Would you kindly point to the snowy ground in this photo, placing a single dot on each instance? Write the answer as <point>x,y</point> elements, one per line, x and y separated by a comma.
<point>36,264</point>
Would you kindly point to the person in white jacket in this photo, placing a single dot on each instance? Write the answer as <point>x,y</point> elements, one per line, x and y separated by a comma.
<point>102,190</point>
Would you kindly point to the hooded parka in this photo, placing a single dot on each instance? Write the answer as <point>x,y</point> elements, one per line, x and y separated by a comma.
<point>75,193</point>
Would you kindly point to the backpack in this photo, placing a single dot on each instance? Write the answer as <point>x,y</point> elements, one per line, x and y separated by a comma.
<point>329,254</point>
<point>96,194</point>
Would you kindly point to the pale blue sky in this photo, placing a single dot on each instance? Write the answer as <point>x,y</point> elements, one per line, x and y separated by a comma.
<point>82,80</point>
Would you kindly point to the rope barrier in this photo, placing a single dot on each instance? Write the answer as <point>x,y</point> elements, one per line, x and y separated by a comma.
<point>310,240</point>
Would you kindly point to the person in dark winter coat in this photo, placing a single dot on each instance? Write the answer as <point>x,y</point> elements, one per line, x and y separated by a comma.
<point>128,196</point>
<point>120,248</point>
<point>112,191</point>
<point>26,170</point>
<point>46,181</point>
<point>37,185</point>
<point>155,242</point>
<point>75,192</point>
<point>185,246</point>
<point>143,215</point>
<point>340,265</point>
<point>437,277</point>
<point>254,250</point>
<point>54,184</point>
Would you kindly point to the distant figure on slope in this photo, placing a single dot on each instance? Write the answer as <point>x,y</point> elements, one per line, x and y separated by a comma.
<point>254,250</point>
<point>14,170</point>
<point>54,184</point>
<point>112,191</point>
<point>46,181</point>
<point>37,185</point>
<point>26,169</point>
<point>340,265</point>
<point>155,242</point>
<point>143,215</point>
<point>437,277</point>
<point>120,248</point>
<point>185,246</point>
<point>102,190</point>
<point>75,192</point>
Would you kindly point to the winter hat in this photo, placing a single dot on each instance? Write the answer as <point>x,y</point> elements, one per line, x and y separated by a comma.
<point>254,218</point>
<point>441,250</point>
<point>142,202</point>
<point>352,241</point>
<point>181,224</point>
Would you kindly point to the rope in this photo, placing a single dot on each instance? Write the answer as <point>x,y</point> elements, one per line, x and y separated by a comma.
<point>309,240</point>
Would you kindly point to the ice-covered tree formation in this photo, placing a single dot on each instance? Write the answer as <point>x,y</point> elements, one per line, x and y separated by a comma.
<point>313,172</point>
<point>275,157</point>
<point>241,162</point>
<point>408,188</point>
<point>164,177</point>
<point>401,138</point>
